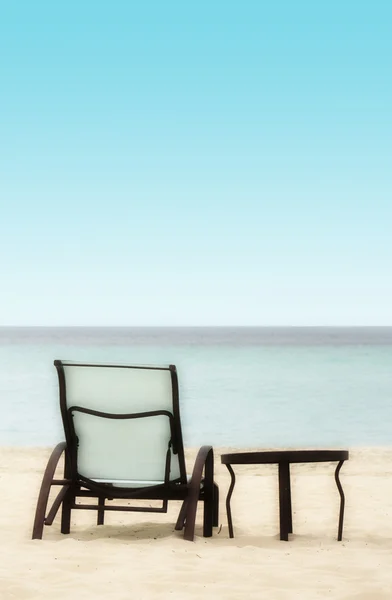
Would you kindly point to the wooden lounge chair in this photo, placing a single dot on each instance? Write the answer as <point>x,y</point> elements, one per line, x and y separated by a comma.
<point>124,441</point>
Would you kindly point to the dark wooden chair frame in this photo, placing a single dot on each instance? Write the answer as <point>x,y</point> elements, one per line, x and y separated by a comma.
<point>201,486</point>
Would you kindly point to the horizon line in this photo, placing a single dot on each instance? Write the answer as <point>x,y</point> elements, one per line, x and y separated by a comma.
<point>193,326</point>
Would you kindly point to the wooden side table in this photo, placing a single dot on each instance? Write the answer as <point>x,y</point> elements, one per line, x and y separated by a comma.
<point>283,458</point>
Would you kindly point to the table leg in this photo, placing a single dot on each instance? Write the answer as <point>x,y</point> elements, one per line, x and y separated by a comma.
<point>228,498</point>
<point>289,508</point>
<point>340,489</point>
<point>285,516</point>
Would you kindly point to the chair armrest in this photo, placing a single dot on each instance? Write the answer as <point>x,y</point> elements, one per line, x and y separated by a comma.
<point>206,453</point>
<point>47,482</point>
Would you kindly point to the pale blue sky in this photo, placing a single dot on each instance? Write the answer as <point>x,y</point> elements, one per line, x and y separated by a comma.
<point>196,163</point>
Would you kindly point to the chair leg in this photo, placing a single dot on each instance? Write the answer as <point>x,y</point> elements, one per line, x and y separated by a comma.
<point>66,511</point>
<point>181,517</point>
<point>204,461</point>
<point>208,507</point>
<point>189,531</point>
<point>209,504</point>
<point>215,516</point>
<point>56,505</point>
<point>208,517</point>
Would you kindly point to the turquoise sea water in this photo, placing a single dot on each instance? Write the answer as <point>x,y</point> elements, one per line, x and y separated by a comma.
<point>238,386</point>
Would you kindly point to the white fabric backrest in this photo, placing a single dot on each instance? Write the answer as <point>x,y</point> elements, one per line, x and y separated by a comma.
<point>118,389</point>
<point>121,449</point>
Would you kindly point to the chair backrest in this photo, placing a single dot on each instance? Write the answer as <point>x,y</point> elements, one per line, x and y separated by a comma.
<point>119,421</point>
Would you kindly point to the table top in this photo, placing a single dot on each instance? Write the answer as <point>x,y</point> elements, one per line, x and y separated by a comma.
<point>280,456</point>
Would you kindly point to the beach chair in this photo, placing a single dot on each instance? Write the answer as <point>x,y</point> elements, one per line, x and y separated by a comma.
<point>124,442</point>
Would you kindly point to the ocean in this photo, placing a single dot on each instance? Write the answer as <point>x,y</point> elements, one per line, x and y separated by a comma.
<point>239,386</point>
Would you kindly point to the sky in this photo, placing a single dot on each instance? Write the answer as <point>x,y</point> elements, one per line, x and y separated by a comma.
<point>196,163</point>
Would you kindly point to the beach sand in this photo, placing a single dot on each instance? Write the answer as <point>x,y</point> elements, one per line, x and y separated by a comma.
<point>136,555</point>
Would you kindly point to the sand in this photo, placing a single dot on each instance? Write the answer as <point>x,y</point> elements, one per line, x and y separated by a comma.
<point>136,555</point>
